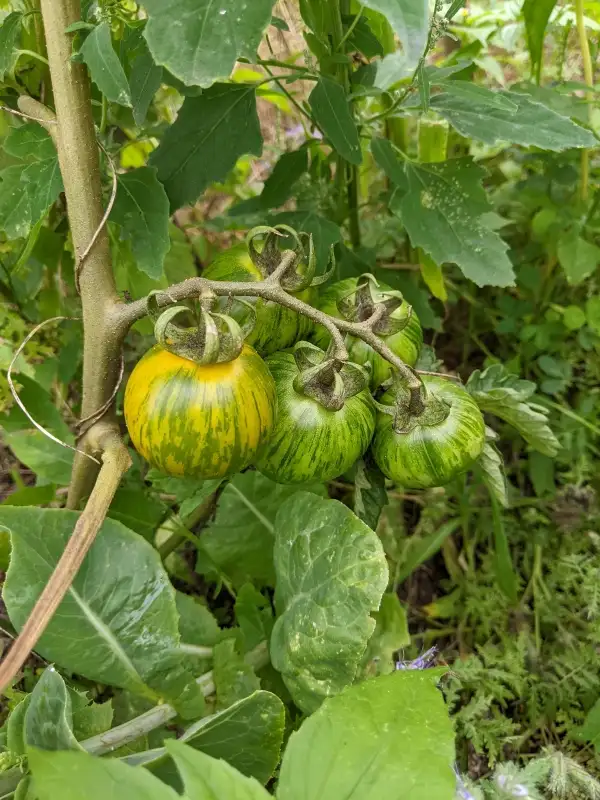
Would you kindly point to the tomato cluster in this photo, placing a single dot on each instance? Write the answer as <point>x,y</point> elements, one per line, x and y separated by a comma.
<point>213,420</point>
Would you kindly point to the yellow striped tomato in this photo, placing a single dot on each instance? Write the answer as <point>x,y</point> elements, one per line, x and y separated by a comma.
<point>205,421</point>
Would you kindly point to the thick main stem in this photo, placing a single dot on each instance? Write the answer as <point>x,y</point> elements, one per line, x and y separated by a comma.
<point>80,168</point>
<point>588,71</point>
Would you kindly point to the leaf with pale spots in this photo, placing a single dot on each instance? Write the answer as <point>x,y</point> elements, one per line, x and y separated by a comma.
<point>118,623</point>
<point>331,575</point>
<point>442,207</point>
<point>528,123</point>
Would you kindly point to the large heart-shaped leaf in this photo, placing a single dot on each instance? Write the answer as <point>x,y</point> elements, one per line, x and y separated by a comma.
<point>118,622</point>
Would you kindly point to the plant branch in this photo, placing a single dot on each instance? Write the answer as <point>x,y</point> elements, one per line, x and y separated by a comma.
<point>161,714</point>
<point>268,289</point>
<point>115,462</point>
<point>80,168</point>
<point>588,71</point>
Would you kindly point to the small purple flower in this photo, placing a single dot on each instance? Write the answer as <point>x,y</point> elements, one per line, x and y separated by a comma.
<point>462,793</point>
<point>422,662</point>
<point>516,790</point>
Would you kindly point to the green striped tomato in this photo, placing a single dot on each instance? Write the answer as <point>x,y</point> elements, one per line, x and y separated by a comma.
<point>431,455</point>
<point>406,343</point>
<point>203,421</point>
<point>276,327</point>
<point>309,442</point>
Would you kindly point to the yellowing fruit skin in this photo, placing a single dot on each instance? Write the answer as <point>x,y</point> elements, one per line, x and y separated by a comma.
<point>198,421</point>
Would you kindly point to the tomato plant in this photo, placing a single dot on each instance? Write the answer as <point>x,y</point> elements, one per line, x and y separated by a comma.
<point>367,235</point>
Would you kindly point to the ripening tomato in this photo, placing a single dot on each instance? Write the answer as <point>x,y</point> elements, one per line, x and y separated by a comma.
<point>310,442</point>
<point>205,421</point>
<point>406,343</point>
<point>426,455</point>
<point>276,327</point>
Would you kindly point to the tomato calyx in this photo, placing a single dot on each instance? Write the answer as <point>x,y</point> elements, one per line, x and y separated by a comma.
<point>206,336</point>
<point>363,303</point>
<point>325,378</point>
<point>299,271</point>
<point>432,411</point>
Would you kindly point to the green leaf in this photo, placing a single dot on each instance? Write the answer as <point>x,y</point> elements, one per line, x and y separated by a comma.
<point>28,189</point>
<point>29,142</point>
<point>239,542</point>
<point>42,184</point>
<point>51,462</point>
<point>529,124</point>
<point>138,510</point>
<point>234,678</point>
<point>385,156</point>
<point>478,94</point>
<point>92,719</point>
<point>206,778</point>
<point>199,40</point>
<point>279,185</point>
<point>503,562</point>
<point>197,624</point>
<point>574,318</point>
<point>537,14</point>
<point>71,776</point>
<point>254,616</point>
<point>389,737</point>
<point>49,716</point>
<point>362,37</point>
<point>498,392</point>
<point>331,574</point>
<point>101,628</point>
<point>210,133</point>
<point>144,82</point>
<point>421,549</point>
<point>189,493</point>
<point>410,21</point>
<point>39,404</point>
<point>491,464</point>
<point>391,633</point>
<point>331,109</point>
<point>442,210</point>
<point>10,31</point>
<point>592,312</point>
<point>578,258</point>
<point>541,474</point>
<point>248,735</point>
<point>141,209</point>
<point>589,731</point>
<point>370,495</point>
<point>105,68</point>
<point>31,496</point>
